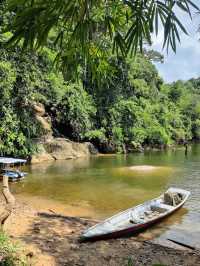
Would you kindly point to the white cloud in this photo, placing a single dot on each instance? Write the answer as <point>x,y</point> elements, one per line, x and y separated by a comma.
<point>185,64</point>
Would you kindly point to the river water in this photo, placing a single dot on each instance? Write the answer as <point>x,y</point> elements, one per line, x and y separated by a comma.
<point>100,186</point>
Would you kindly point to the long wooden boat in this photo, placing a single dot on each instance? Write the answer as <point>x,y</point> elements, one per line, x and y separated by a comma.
<point>137,218</point>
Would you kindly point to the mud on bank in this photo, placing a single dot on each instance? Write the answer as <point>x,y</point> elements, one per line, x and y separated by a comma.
<point>51,239</point>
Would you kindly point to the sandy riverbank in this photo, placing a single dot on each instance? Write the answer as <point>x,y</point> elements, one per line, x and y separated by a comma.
<point>51,238</point>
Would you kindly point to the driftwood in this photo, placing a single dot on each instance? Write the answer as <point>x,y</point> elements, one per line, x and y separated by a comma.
<point>10,201</point>
<point>182,244</point>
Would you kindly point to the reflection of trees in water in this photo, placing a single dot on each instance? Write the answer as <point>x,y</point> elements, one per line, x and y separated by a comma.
<point>94,182</point>
<point>60,166</point>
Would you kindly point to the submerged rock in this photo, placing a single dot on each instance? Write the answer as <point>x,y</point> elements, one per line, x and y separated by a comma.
<point>144,170</point>
<point>143,167</point>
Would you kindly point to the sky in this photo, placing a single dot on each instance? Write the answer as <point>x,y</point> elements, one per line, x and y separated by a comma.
<point>185,64</point>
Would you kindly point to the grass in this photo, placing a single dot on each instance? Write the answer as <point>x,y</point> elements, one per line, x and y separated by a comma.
<point>10,253</point>
<point>131,263</point>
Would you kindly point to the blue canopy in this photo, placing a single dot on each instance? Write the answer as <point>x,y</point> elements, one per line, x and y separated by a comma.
<point>5,160</point>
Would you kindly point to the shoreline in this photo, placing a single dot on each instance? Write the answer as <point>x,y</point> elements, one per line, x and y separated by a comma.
<point>42,157</point>
<point>52,239</point>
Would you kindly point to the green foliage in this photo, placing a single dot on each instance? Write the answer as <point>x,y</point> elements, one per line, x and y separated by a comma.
<point>11,138</point>
<point>157,135</point>
<point>83,29</point>
<point>10,253</point>
<point>7,79</point>
<point>76,110</point>
<point>20,77</point>
<point>130,262</point>
<point>118,138</point>
<point>97,135</point>
<point>120,104</point>
<point>128,110</point>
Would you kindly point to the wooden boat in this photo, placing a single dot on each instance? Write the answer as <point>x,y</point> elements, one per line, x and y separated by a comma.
<point>10,167</point>
<point>13,175</point>
<point>137,218</point>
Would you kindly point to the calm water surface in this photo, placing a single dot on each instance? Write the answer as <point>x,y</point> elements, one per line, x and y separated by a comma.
<point>101,186</point>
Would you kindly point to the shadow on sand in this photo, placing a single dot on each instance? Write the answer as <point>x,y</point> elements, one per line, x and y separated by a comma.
<point>57,235</point>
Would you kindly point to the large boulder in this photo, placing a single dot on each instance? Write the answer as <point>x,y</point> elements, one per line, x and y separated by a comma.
<point>41,155</point>
<point>62,149</point>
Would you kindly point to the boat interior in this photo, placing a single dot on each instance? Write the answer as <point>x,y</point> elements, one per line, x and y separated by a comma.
<point>141,214</point>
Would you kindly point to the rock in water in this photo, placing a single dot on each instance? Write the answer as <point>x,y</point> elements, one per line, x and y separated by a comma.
<point>143,167</point>
<point>61,149</point>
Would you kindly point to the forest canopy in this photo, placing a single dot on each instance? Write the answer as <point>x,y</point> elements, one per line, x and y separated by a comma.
<point>87,31</point>
<point>121,105</point>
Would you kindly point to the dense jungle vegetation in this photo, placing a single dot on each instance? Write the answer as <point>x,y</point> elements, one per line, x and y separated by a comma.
<point>123,106</point>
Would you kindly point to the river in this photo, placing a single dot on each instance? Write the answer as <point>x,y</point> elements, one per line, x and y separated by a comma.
<point>100,186</point>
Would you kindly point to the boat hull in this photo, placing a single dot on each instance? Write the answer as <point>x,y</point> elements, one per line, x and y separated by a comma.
<point>129,231</point>
<point>135,229</point>
<point>13,176</point>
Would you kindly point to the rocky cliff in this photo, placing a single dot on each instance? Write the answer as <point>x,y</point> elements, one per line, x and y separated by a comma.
<point>53,148</point>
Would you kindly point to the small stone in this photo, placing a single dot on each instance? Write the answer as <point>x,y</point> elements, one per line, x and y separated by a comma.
<point>74,247</point>
<point>30,254</point>
<point>36,230</point>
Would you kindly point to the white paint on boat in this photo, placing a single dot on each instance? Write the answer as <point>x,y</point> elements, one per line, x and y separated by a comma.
<point>136,217</point>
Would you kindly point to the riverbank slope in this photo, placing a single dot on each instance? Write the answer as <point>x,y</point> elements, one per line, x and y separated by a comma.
<point>51,238</point>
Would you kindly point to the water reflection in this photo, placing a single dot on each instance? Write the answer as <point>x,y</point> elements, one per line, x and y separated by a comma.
<point>61,166</point>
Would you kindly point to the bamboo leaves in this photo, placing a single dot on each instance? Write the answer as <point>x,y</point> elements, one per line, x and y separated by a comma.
<point>80,24</point>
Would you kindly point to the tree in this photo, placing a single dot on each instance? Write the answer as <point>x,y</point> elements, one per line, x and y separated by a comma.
<point>81,30</point>
<point>75,112</point>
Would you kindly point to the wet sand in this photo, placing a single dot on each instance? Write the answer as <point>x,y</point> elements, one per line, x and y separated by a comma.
<point>50,236</point>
